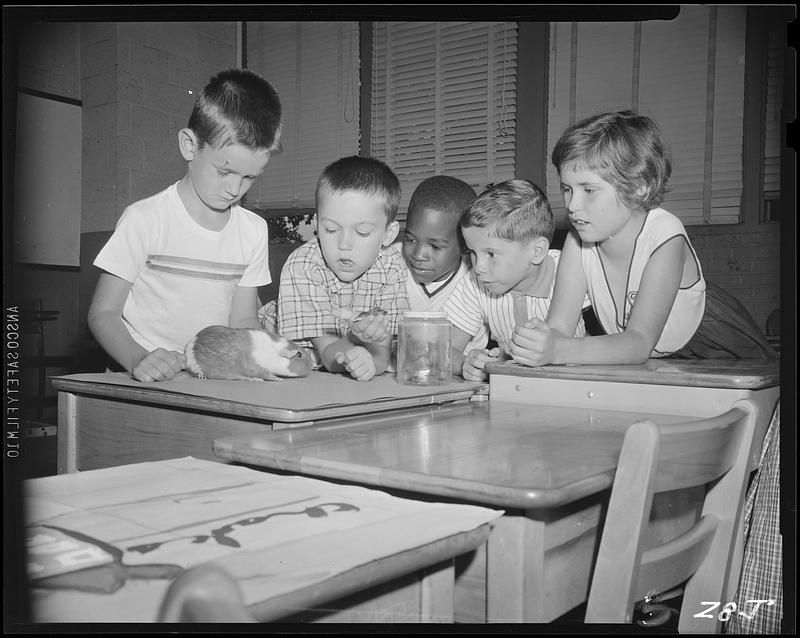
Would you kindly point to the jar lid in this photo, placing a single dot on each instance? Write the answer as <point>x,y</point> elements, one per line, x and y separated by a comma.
<point>425,315</point>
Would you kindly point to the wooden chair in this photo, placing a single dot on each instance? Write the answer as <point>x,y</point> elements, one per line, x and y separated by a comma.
<point>713,452</point>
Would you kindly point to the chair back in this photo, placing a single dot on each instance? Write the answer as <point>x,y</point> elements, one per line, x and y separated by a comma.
<point>710,452</point>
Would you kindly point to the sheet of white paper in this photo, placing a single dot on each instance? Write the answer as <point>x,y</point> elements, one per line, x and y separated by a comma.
<point>274,533</point>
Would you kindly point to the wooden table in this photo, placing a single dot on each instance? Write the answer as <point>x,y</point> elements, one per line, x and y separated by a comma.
<point>104,545</point>
<point>110,419</point>
<point>548,457</point>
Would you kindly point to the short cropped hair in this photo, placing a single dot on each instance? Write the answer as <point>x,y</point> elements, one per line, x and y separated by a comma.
<point>237,106</point>
<point>447,195</point>
<point>515,210</point>
<point>625,149</point>
<point>363,174</point>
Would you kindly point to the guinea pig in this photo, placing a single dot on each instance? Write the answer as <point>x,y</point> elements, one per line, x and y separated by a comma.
<point>219,352</point>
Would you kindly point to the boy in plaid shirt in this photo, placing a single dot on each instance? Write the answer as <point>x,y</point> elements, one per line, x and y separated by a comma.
<point>327,283</point>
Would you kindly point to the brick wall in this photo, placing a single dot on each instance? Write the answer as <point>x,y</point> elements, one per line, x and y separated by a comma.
<point>745,261</point>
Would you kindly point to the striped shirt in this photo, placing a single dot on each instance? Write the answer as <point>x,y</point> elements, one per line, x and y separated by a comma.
<point>313,302</point>
<point>182,275</point>
<point>471,307</point>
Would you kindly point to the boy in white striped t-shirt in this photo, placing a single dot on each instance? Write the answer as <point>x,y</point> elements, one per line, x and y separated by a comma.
<point>191,256</point>
<point>507,231</point>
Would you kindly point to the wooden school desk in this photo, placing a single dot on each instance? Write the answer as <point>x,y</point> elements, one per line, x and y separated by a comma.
<point>105,545</point>
<point>547,457</point>
<point>109,419</point>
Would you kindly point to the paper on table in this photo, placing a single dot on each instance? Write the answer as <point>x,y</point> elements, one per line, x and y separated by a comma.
<point>272,533</point>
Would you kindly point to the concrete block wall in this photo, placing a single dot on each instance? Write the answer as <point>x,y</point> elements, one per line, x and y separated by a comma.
<point>138,84</point>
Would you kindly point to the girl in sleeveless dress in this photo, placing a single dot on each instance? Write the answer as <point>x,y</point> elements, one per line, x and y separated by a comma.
<point>632,258</point>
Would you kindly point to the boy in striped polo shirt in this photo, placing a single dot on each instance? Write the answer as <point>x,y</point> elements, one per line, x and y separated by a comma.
<point>190,256</point>
<point>507,231</point>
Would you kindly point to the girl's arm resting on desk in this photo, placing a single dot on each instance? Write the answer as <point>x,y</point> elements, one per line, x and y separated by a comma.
<point>244,308</point>
<point>569,291</point>
<point>105,323</point>
<point>534,342</point>
<point>538,343</point>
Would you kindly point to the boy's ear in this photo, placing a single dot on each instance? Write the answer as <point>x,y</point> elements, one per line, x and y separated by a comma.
<point>187,143</point>
<point>539,248</point>
<point>390,234</point>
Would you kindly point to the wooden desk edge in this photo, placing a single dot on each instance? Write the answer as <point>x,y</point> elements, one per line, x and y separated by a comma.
<point>519,498</point>
<point>646,376</point>
<point>376,572</point>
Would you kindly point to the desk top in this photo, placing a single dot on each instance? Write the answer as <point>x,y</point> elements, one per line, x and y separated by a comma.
<point>320,395</point>
<point>710,373</point>
<point>104,545</point>
<point>501,453</point>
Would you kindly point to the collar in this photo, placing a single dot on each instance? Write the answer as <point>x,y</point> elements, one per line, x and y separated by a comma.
<point>439,284</point>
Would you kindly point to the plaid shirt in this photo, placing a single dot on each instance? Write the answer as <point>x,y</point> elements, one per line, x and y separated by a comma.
<point>762,567</point>
<point>314,302</point>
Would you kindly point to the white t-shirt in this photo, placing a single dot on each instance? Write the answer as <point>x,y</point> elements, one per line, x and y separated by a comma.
<point>183,276</point>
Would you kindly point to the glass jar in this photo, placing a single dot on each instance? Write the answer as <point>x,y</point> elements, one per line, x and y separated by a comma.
<point>423,348</point>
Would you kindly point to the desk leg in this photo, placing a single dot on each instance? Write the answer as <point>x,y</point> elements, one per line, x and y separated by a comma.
<point>515,569</point>
<point>436,595</point>
<point>67,433</point>
<point>539,564</point>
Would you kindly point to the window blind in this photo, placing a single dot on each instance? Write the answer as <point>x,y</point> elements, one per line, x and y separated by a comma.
<point>772,119</point>
<point>444,101</point>
<point>687,74</point>
<point>314,67</point>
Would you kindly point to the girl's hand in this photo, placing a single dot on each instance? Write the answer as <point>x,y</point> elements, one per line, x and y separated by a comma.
<point>358,362</point>
<point>476,360</point>
<point>533,343</point>
<point>159,365</point>
<point>372,327</point>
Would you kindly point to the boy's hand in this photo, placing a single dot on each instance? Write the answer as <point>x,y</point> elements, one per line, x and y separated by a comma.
<point>533,343</point>
<point>358,362</point>
<point>159,365</point>
<point>371,327</point>
<point>474,362</point>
